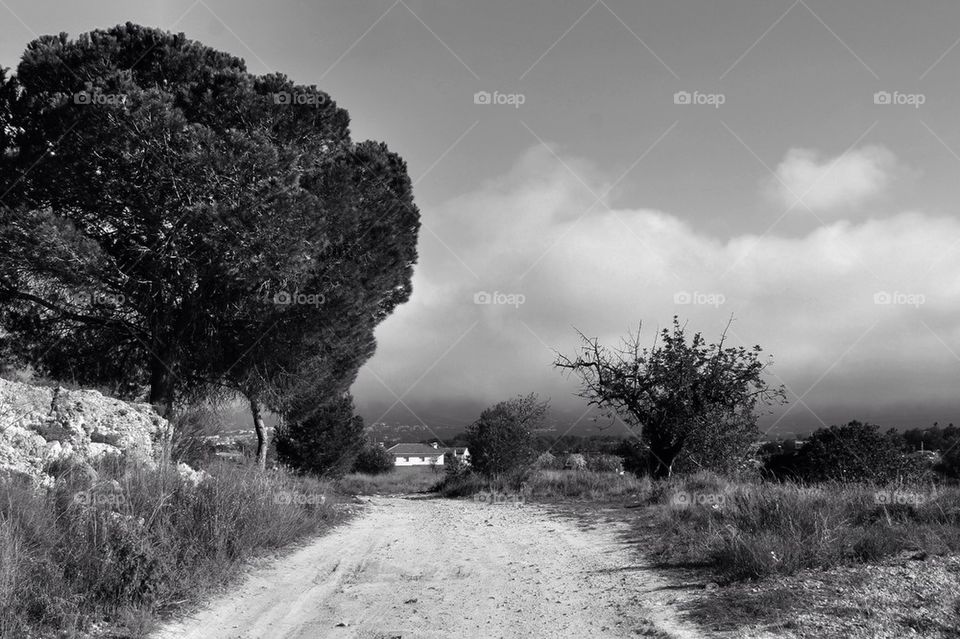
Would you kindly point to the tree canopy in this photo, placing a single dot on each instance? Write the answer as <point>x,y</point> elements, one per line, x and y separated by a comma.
<point>174,224</point>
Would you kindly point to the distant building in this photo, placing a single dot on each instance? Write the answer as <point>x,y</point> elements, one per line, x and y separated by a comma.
<point>459,453</point>
<point>425,454</point>
<point>416,454</point>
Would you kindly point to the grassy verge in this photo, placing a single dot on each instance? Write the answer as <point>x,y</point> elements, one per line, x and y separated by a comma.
<point>748,531</point>
<point>402,480</point>
<point>120,549</point>
<point>551,486</point>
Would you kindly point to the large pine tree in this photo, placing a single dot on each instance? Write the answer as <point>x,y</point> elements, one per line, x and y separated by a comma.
<point>174,223</point>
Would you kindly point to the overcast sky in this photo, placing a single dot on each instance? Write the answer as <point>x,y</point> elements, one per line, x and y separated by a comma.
<point>794,164</point>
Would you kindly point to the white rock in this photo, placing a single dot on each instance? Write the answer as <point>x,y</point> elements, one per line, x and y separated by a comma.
<point>39,425</point>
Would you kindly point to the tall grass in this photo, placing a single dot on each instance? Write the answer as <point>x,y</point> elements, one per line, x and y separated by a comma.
<point>551,485</point>
<point>134,542</point>
<point>402,480</point>
<point>752,530</point>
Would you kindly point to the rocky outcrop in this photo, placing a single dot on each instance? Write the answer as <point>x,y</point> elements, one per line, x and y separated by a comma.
<point>41,426</point>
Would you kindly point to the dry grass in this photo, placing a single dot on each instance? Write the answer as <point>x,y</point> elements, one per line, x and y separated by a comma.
<point>402,480</point>
<point>137,542</point>
<point>553,485</point>
<point>753,530</point>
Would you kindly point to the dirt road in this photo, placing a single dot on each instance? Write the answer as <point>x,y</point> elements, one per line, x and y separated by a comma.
<point>425,568</point>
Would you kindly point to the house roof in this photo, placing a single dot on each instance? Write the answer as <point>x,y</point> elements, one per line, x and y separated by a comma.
<point>414,449</point>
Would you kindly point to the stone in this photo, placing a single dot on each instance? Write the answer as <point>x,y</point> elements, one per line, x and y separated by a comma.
<point>42,427</point>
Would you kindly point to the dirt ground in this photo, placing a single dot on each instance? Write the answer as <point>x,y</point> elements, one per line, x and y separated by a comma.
<point>423,567</point>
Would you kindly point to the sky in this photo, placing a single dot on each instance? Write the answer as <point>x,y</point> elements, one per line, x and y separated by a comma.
<point>599,165</point>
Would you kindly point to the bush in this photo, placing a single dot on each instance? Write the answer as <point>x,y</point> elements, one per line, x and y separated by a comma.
<point>547,461</point>
<point>374,460</point>
<point>325,442</point>
<point>949,464</point>
<point>604,463</point>
<point>575,461</point>
<point>501,441</point>
<point>634,456</point>
<point>90,549</point>
<point>455,467</point>
<point>856,452</point>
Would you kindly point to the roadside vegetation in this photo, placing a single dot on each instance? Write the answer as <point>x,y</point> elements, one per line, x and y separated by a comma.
<point>115,548</point>
<point>812,520</point>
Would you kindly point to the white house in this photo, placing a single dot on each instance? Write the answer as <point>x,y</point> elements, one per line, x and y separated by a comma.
<point>416,454</point>
<point>425,454</point>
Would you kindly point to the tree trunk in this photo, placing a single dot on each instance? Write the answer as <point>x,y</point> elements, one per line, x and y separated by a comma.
<point>661,459</point>
<point>161,387</point>
<point>261,429</point>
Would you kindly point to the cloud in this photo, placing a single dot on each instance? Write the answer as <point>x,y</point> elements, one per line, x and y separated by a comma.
<point>805,180</point>
<point>858,313</point>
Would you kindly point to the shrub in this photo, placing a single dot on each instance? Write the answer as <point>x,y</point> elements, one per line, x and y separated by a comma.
<point>634,456</point>
<point>325,442</point>
<point>576,461</point>
<point>604,463</point>
<point>501,441</point>
<point>856,452</point>
<point>949,464</point>
<point>547,461</point>
<point>455,467</point>
<point>373,460</point>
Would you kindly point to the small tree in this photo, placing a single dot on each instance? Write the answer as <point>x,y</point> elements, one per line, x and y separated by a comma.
<point>325,442</point>
<point>501,441</point>
<point>677,392</point>
<point>374,460</point>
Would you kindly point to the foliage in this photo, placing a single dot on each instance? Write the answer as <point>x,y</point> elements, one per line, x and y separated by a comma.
<point>171,225</point>
<point>553,485</point>
<point>576,461</point>
<point>500,441</point>
<point>855,452</point>
<point>373,460</point>
<point>192,428</point>
<point>604,463</point>
<point>547,461</point>
<point>325,441</point>
<point>683,397</point>
<point>949,464</point>
<point>84,551</point>
<point>634,455</point>
<point>754,530</point>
